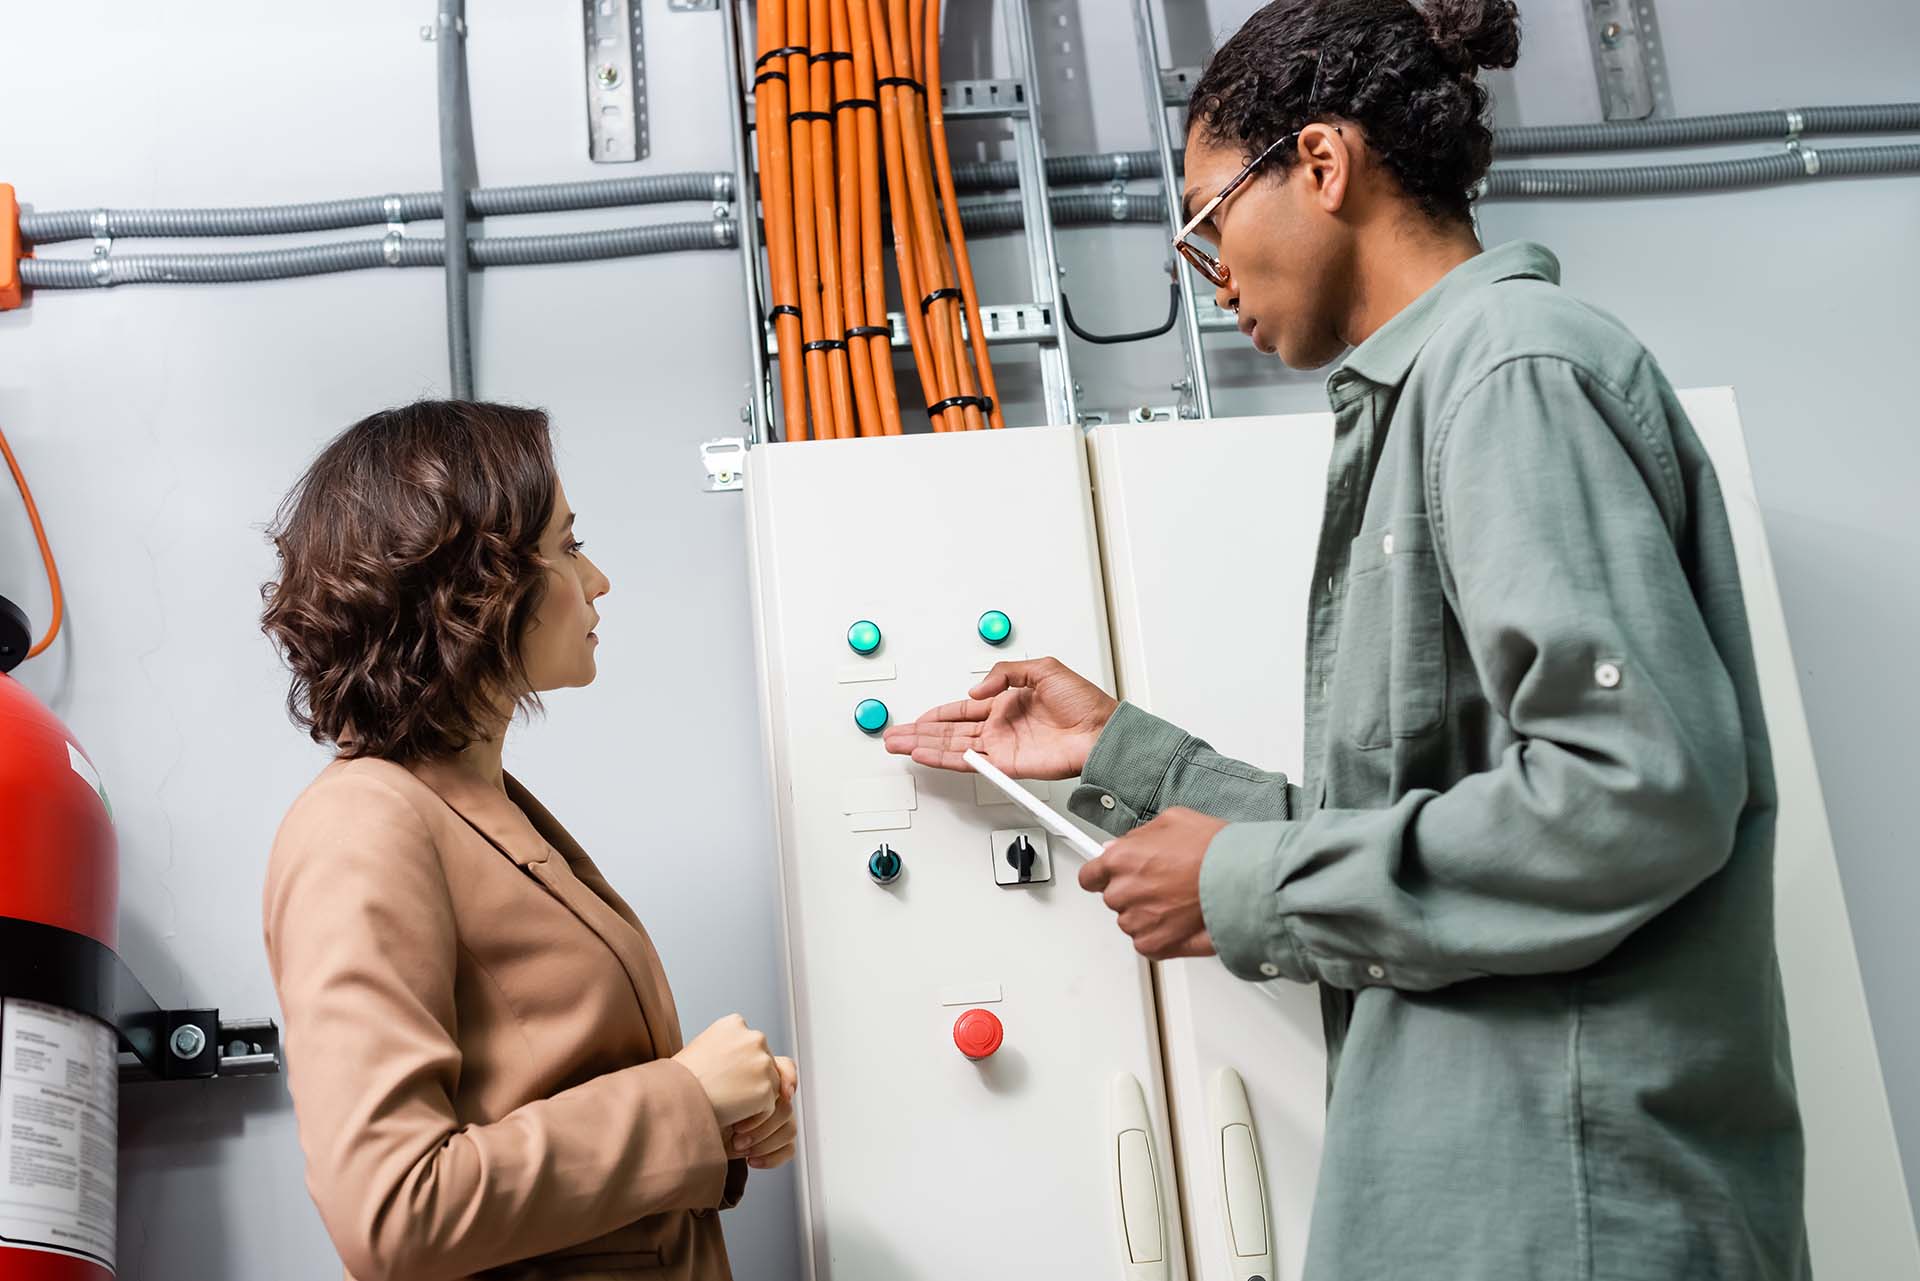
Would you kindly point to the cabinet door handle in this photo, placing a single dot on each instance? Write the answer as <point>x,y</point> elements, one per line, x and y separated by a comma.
<point>1243,1184</point>
<point>1139,1209</point>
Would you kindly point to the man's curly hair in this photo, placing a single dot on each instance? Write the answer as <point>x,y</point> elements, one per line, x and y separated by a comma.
<point>409,567</point>
<point>1404,75</point>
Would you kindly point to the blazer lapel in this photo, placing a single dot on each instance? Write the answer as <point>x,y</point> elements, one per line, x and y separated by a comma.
<point>650,976</point>
<point>511,828</point>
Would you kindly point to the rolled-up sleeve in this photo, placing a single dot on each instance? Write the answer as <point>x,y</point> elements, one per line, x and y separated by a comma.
<point>1555,518</point>
<point>1141,765</point>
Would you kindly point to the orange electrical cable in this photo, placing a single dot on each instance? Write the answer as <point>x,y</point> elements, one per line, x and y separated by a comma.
<point>826,224</point>
<point>852,273</point>
<point>943,171</point>
<point>971,418</point>
<point>805,238</point>
<point>926,230</point>
<point>893,128</point>
<point>46,551</point>
<point>776,199</point>
<point>878,348</point>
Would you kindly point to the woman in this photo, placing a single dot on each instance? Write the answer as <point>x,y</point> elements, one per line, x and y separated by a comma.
<point>1530,867</point>
<point>483,1051</point>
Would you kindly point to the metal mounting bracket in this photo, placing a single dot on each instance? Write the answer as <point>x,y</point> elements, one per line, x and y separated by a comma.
<point>725,461</point>
<point>40,962</point>
<point>1628,59</point>
<point>616,68</point>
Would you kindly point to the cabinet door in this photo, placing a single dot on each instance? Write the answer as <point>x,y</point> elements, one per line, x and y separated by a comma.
<point>980,1063</point>
<point>1208,531</point>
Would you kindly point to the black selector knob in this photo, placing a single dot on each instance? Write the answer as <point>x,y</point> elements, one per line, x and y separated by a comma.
<point>884,866</point>
<point>1020,857</point>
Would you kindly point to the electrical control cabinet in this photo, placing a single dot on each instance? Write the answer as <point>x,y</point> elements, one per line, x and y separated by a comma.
<point>982,1084</point>
<point>990,1072</point>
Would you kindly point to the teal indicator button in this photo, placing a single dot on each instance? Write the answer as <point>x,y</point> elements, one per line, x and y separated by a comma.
<point>995,627</point>
<point>871,715</point>
<point>863,637</point>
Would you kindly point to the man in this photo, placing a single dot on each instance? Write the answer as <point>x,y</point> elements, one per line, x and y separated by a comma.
<point>1531,865</point>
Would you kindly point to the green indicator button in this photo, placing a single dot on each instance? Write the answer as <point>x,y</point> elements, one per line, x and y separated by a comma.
<point>871,715</point>
<point>995,627</point>
<point>863,637</point>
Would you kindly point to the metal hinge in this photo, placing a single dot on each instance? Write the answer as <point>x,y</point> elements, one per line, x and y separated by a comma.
<point>725,461</point>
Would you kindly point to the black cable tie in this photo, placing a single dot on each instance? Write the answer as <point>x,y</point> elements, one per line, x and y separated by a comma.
<point>871,331</point>
<point>825,344</point>
<point>959,402</point>
<point>906,82</point>
<point>809,115</point>
<point>832,55</point>
<point>785,309</point>
<point>936,296</point>
<point>769,75</point>
<point>856,102</point>
<point>765,58</point>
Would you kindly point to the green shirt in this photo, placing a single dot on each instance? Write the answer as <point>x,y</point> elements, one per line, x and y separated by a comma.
<point>1531,864</point>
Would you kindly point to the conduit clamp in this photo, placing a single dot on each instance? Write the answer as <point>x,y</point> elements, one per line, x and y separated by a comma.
<point>11,248</point>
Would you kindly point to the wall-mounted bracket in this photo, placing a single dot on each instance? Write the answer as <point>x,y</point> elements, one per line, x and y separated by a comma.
<point>725,461</point>
<point>616,69</point>
<point>1628,58</point>
<point>40,962</point>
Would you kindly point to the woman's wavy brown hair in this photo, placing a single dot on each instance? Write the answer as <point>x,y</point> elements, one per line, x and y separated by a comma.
<point>409,567</point>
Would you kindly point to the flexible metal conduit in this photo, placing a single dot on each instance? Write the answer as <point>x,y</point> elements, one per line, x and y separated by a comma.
<point>1516,182</point>
<point>452,50</point>
<point>57,225</point>
<point>985,218</point>
<point>356,255</point>
<point>1701,131</point>
<point>1685,131</point>
<point>1712,175</point>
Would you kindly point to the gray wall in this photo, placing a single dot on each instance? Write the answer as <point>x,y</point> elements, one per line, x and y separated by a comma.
<point>161,425</point>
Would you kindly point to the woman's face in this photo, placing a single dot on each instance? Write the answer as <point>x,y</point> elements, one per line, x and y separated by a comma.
<point>556,649</point>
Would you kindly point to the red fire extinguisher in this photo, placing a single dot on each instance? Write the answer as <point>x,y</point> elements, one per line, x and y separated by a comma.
<point>59,1066</point>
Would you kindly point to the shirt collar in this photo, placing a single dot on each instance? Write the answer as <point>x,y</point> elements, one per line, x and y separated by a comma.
<point>1388,354</point>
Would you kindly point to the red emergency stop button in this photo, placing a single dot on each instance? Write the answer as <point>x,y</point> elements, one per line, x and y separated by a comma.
<point>978,1033</point>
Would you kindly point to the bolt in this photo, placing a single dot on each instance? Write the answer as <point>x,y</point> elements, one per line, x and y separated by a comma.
<point>188,1041</point>
<point>1610,34</point>
<point>608,75</point>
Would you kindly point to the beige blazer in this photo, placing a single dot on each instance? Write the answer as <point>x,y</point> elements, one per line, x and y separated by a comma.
<point>478,1039</point>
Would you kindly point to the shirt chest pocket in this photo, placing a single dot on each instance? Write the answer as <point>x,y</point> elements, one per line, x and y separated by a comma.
<point>1390,673</point>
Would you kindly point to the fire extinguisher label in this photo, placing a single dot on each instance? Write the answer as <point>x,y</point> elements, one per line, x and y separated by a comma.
<point>59,1131</point>
<point>84,768</point>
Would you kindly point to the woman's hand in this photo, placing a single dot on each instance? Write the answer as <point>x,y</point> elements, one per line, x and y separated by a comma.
<point>732,1064</point>
<point>767,1142</point>
<point>1034,719</point>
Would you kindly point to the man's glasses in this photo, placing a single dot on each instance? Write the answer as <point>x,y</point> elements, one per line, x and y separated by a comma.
<point>1197,254</point>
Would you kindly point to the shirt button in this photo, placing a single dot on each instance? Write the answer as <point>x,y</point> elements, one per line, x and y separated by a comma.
<point>1106,802</point>
<point>1376,972</point>
<point>1269,969</point>
<point>1386,545</point>
<point>1607,675</point>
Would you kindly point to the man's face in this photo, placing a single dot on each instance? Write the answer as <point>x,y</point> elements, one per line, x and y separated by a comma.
<point>1283,248</point>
